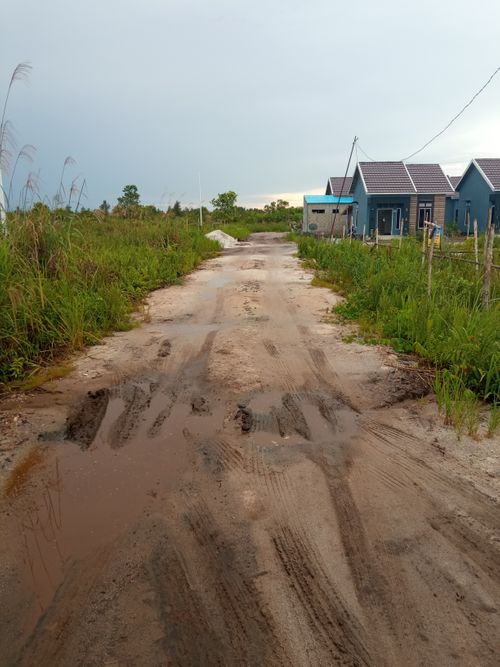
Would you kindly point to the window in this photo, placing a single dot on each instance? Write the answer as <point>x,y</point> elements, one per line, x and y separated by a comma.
<point>424,213</point>
<point>396,218</point>
<point>317,210</point>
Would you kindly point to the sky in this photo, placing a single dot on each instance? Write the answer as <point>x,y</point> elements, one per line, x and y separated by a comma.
<point>263,97</point>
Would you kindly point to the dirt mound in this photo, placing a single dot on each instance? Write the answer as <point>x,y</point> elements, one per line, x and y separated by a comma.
<point>221,237</point>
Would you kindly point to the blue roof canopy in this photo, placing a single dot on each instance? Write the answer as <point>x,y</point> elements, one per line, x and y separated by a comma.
<point>326,199</point>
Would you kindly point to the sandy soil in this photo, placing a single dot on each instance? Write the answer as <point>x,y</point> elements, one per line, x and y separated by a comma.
<point>232,484</point>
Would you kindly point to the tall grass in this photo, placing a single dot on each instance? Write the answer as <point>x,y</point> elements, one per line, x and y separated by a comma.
<point>67,281</point>
<point>386,291</point>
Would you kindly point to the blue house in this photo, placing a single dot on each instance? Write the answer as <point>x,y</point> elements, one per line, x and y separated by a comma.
<point>479,190</point>
<point>387,195</point>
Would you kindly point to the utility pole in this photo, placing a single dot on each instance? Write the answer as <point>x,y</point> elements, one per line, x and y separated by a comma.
<point>201,211</point>
<point>342,188</point>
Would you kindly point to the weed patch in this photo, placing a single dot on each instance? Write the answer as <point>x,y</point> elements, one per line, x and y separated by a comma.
<point>65,282</point>
<point>386,292</point>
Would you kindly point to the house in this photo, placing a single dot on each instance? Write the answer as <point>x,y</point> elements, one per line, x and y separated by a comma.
<point>387,195</point>
<point>325,215</point>
<point>451,209</point>
<point>338,185</point>
<point>479,190</point>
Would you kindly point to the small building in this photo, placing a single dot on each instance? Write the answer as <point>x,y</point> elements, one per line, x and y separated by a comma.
<point>326,215</point>
<point>387,195</point>
<point>479,190</point>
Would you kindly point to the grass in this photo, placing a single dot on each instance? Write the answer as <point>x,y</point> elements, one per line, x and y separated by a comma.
<point>386,292</point>
<point>65,282</point>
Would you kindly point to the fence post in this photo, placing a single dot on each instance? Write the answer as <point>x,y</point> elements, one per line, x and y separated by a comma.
<point>376,236</point>
<point>429,263</point>
<point>489,240</point>
<point>401,227</point>
<point>476,248</point>
<point>364,232</point>
<point>424,244</point>
<point>467,221</point>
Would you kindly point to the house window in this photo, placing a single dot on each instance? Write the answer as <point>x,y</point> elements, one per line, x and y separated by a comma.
<point>317,210</point>
<point>424,213</point>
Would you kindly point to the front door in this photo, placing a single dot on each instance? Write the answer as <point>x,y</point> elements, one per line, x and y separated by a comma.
<point>384,221</point>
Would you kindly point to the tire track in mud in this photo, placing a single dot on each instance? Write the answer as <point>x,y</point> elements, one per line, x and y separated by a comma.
<point>283,370</point>
<point>189,637</point>
<point>331,623</point>
<point>373,590</point>
<point>244,621</point>
<point>220,454</point>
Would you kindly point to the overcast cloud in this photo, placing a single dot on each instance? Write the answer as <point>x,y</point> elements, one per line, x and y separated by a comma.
<point>260,97</point>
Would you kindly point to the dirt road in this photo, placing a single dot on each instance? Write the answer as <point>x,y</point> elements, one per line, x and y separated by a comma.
<point>232,484</point>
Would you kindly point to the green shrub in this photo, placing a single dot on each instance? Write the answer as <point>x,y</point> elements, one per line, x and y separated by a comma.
<point>386,290</point>
<point>66,281</point>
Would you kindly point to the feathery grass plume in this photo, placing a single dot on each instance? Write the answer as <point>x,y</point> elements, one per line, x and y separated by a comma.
<point>26,153</point>
<point>73,190</point>
<point>20,73</point>
<point>30,187</point>
<point>68,161</point>
<point>81,194</point>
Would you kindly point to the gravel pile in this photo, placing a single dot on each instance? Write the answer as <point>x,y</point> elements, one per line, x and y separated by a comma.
<point>224,239</point>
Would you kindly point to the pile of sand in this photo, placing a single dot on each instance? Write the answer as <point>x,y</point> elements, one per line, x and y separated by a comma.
<point>224,239</point>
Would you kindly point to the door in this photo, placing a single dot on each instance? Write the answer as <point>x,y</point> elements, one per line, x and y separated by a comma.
<point>384,221</point>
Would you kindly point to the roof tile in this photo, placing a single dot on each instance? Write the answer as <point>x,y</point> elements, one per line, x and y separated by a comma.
<point>429,179</point>
<point>386,178</point>
<point>491,169</point>
<point>336,183</point>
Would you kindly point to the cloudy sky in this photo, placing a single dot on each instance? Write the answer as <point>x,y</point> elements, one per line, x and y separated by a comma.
<point>262,97</point>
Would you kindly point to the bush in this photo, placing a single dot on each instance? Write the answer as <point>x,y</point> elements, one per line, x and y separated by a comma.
<point>66,281</point>
<point>386,290</point>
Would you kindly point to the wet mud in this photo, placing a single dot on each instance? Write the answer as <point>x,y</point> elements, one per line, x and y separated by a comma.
<point>232,503</point>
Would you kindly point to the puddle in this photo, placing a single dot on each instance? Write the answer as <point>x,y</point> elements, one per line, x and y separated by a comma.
<point>87,494</point>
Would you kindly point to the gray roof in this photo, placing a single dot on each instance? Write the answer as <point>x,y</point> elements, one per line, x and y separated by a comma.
<point>429,179</point>
<point>386,178</point>
<point>454,180</point>
<point>336,185</point>
<point>404,179</point>
<point>491,169</point>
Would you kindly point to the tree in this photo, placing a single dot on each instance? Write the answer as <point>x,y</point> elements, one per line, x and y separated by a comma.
<point>225,204</point>
<point>104,207</point>
<point>274,206</point>
<point>130,197</point>
<point>177,208</point>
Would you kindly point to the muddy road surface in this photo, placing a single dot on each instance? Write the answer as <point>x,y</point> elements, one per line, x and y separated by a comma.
<point>235,483</point>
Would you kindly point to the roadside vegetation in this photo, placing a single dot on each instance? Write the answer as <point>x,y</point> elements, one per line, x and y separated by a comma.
<point>69,278</point>
<point>66,280</point>
<point>386,292</point>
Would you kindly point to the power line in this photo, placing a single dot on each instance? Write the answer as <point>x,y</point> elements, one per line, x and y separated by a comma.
<point>365,154</point>
<point>455,117</point>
